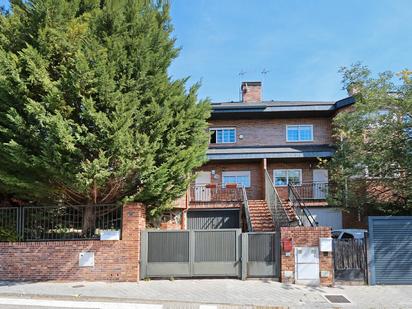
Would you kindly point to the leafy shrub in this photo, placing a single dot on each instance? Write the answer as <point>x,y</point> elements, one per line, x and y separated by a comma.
<point>7,235</point>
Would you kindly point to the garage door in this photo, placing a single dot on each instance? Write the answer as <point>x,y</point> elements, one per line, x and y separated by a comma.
<point>213,219</point>
<point>390,244</point>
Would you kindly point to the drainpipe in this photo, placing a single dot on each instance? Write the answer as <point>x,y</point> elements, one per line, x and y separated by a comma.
<point>183,224</point>
<point>265,167</point>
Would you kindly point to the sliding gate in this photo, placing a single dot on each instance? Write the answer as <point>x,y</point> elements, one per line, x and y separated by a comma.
<point>191,253</point>
<point>210,253</point>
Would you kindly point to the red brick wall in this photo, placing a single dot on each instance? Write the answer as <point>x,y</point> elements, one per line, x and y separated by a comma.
<point>256,190</point>
<point>306,237</point>
<point>59,260</point>
<point>251,92</point>
<point>271,132</point>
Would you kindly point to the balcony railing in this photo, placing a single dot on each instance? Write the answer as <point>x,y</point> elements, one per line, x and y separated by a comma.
<point>216,193</point>
<point>312,191</point>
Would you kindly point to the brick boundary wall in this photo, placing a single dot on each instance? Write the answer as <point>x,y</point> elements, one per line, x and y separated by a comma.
<point>115,260</point>
<point>306,237</point>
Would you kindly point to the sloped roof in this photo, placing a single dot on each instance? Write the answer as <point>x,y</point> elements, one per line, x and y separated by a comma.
<point>324,107</point>
<point>258,152</point>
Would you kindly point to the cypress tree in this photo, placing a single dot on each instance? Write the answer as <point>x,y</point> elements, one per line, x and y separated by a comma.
<point>88,112</point>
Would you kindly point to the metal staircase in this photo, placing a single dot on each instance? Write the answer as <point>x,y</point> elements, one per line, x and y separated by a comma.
<point>303,214</point>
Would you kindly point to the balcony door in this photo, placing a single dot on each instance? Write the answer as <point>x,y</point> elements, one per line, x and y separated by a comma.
<point>202,193</point>
<point>320,180</point>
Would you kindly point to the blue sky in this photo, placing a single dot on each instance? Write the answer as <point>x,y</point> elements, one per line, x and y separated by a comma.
<point>302,43</point>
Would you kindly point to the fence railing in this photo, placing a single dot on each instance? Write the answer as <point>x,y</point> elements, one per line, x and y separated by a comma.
<point>313,191</point>
<point>303,214</point>
<point>216,193</point>
<point>279,215</point>
<point>247,212</point>
<point>41,223</point>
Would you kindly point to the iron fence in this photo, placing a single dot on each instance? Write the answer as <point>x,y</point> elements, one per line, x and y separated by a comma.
<point>45,223</point>
<point>216,193</point>
<point>313,191</point>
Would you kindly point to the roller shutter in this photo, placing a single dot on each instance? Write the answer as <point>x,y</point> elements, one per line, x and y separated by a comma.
<point>390,250</point>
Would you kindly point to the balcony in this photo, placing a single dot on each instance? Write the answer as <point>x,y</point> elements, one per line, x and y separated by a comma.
<point>216,193</point>
<point>315,191</point>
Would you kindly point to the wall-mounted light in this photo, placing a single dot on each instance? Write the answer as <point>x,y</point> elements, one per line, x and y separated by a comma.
<point>241,136</point>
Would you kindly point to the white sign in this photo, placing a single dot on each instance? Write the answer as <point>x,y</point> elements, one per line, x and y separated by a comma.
<point>86,259</point>
<point>109,235</point>
<point>325,244</point>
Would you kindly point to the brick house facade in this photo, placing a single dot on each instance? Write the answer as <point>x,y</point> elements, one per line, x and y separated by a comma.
<point>253,141</point>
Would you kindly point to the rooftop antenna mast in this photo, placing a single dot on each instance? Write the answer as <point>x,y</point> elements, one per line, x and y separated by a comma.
<point>264,72</point>
<point>241,74</point>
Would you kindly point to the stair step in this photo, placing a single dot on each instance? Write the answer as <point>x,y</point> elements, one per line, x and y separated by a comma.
<point>260,216</point>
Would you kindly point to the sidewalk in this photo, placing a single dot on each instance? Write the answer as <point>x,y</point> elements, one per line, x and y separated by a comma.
<point>216,291</point>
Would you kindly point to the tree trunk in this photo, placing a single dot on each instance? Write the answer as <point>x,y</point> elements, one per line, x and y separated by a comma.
<point>89,221</point>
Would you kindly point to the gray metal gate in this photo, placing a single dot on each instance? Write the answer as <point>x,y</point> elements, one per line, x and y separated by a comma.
<point>191,253</point>
<point>213,219</point>
<point>210,253</point>
<point>260,255</point>
<point>390,250</point>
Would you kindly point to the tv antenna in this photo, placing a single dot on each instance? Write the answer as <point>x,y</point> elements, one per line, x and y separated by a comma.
<point>264,72</point>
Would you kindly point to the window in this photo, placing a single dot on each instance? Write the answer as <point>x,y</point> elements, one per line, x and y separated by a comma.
<point>336,234</point>
<point>285,177</point>
<point>242,178</point>
<point>299,133</point>
<point>223,136</point>
<point>347,236</point>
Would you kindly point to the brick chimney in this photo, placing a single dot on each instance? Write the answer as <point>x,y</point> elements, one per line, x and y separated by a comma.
<point>251,92</point>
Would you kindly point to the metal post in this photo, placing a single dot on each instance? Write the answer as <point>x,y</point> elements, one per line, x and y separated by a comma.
<point>20,223</point>
<point>143,254</point>
<point>191,252</point>
<point>245,255</point>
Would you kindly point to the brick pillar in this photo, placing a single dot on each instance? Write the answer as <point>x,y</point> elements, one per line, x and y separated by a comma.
<point>306,237</point>
<point>134,220</point>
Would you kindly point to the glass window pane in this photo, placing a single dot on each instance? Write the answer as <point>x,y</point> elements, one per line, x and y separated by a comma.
<point>293,134</point>
<point>229,179</point>
<point>219,136</point>
<point>281,178</point>
<point>243,180</point>
<point>225,136</point>
<point>294,176</point>
<point>232,135</point>
<point>305,133</point>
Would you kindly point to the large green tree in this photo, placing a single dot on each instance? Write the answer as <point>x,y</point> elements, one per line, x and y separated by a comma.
<point>88,112</point>
<point>372,166</point>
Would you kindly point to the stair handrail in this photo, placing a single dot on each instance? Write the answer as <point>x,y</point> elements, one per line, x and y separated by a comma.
<point>247,212</point>
<point>280,217</point>
<point>294,197</point>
